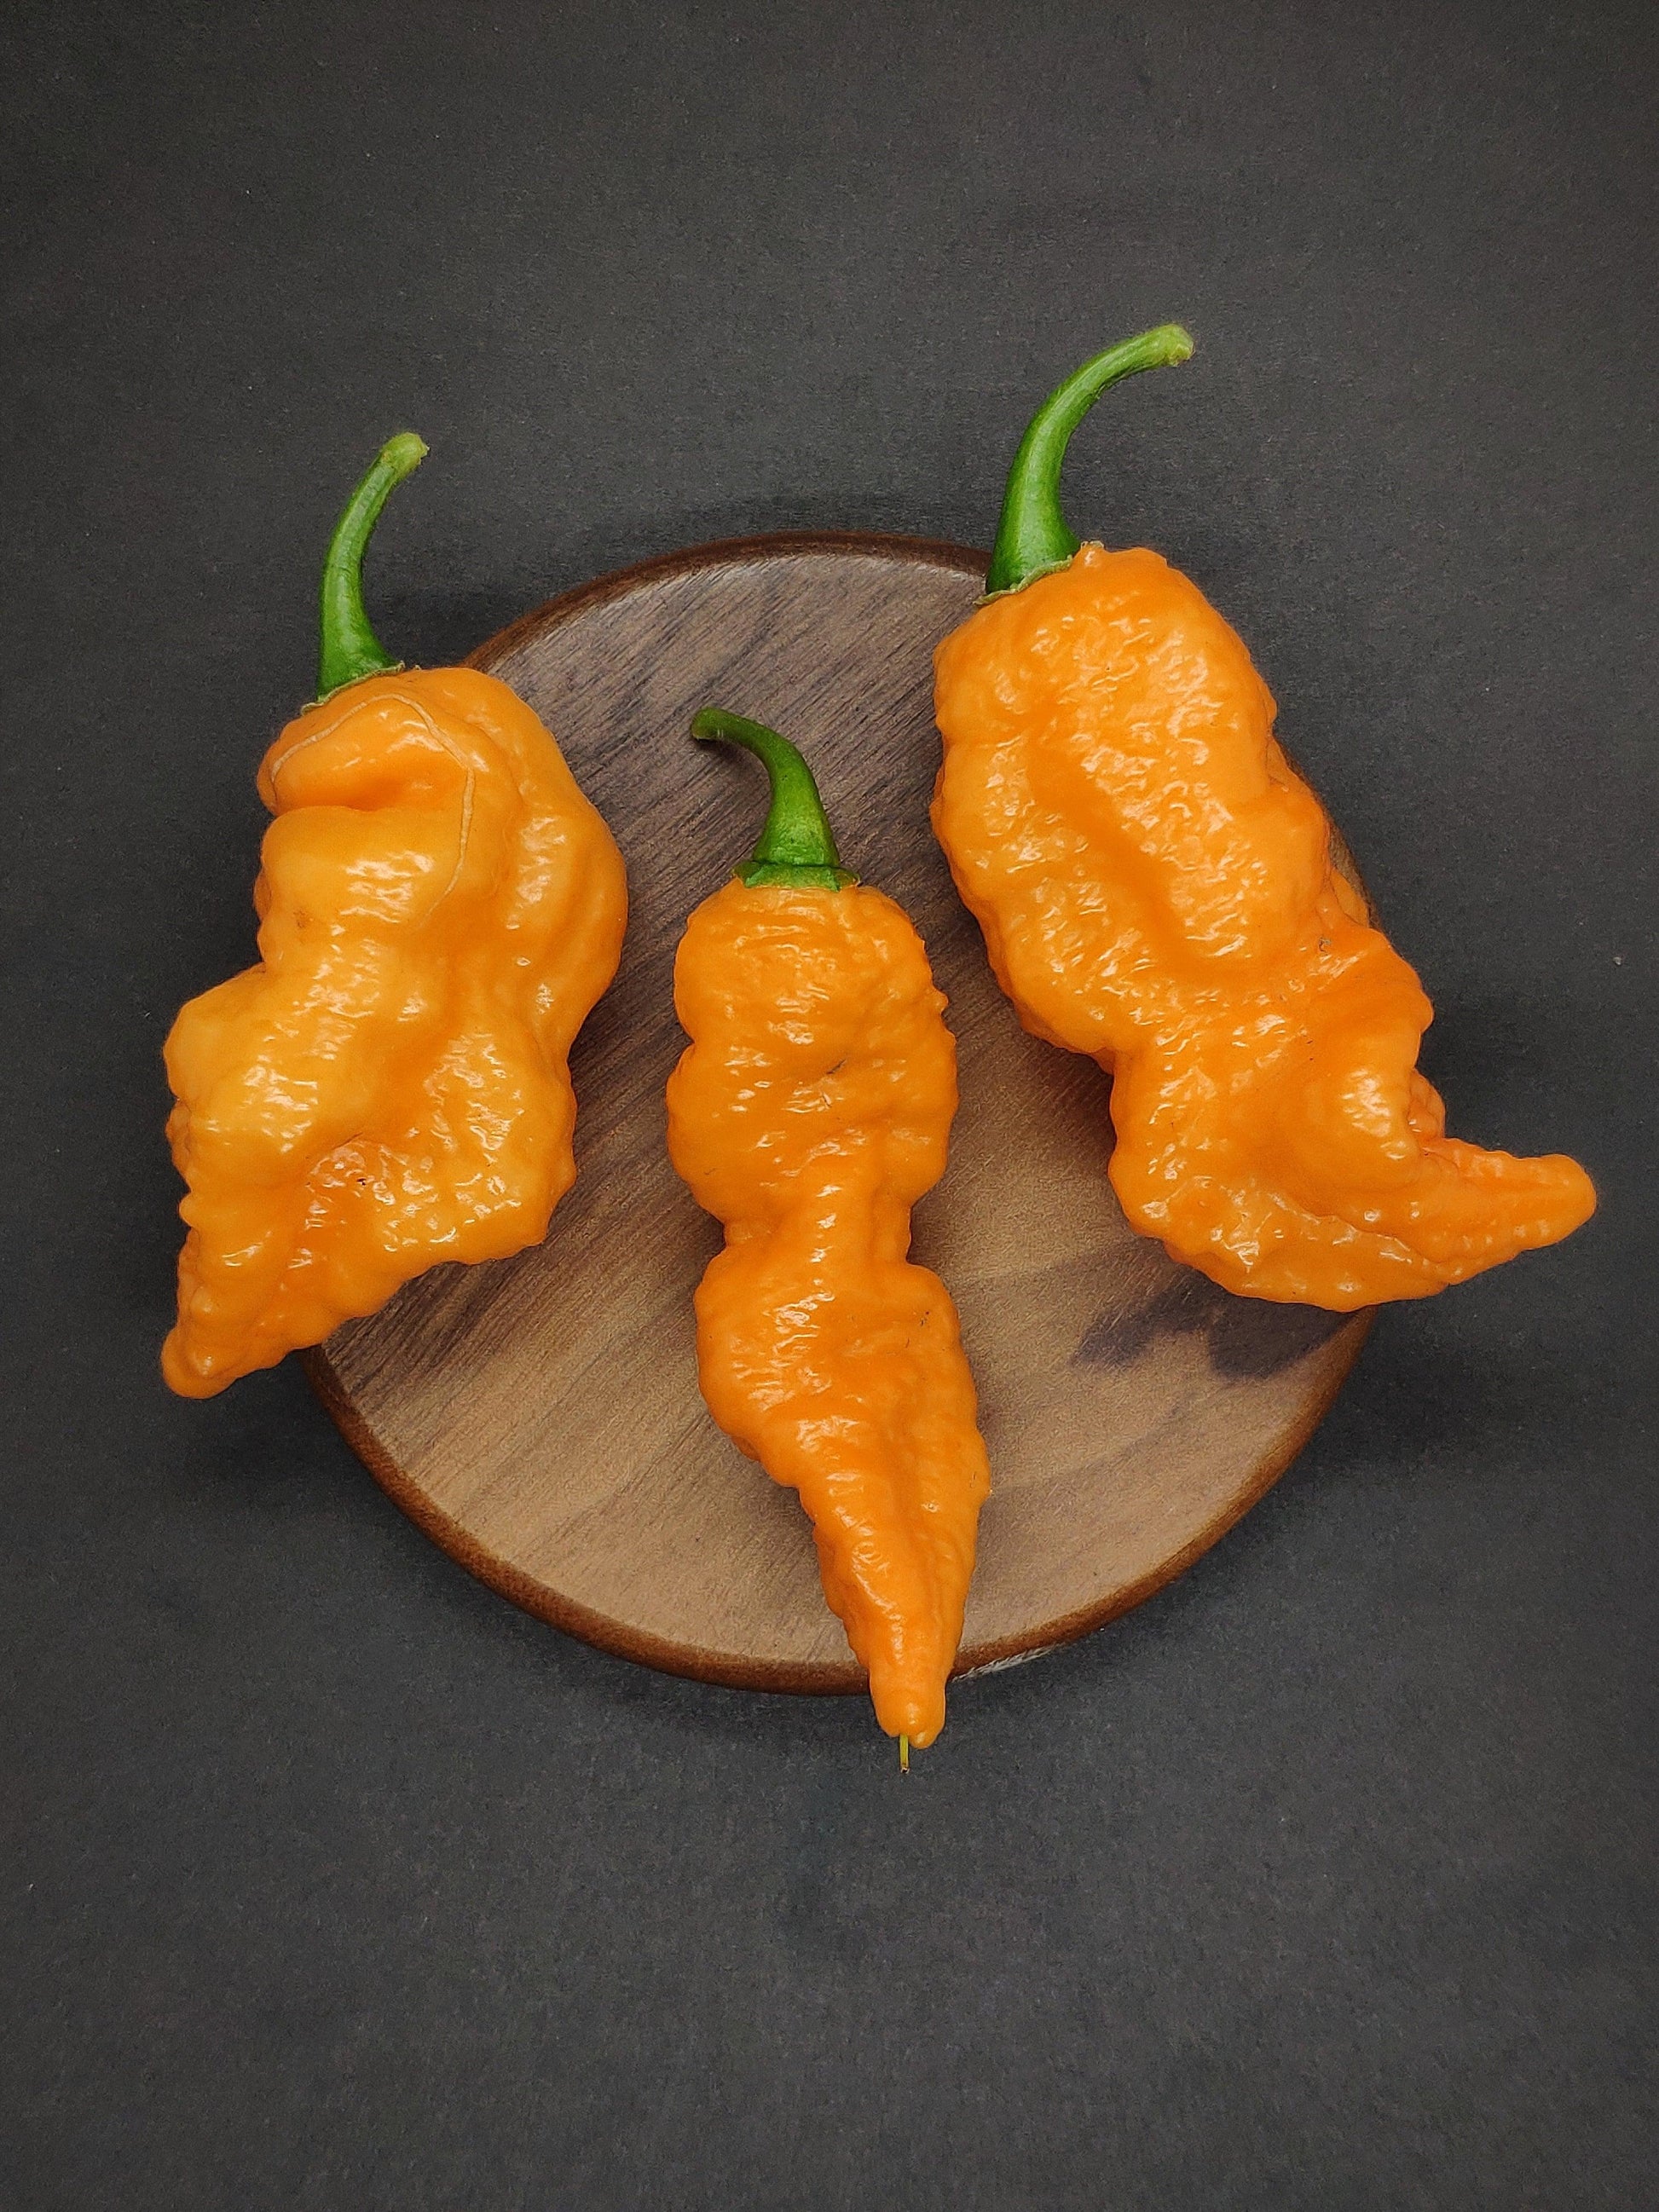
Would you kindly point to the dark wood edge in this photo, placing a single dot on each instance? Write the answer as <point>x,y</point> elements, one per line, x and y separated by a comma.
<point>1261,1482</point>
<point>721,553</point>
<point>533,1597</point>
<point>814,1678</point>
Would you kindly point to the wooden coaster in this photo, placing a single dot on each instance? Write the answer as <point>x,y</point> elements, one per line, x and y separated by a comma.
<point>539,1418</point>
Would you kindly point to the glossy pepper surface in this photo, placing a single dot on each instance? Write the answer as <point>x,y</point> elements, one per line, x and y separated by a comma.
<point>439,909</point>
<point>1156,888</point>
<point>810,1110</point>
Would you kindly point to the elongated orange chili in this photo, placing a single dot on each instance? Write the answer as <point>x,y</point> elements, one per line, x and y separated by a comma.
<point>439,909</point>
<point>1155,885</point>
<point>810,1110</point>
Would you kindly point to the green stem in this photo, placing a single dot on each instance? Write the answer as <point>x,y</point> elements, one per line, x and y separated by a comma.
<point>350,647</point>
<point>796,846</point>
<point>1032,536</point>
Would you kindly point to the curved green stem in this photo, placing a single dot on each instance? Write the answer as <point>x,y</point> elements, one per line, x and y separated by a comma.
<point>1032,536</point>
<point>350,647</point>
<point>796,846</point>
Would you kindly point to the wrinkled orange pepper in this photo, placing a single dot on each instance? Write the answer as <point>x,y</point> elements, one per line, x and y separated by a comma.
<point>439,909</point>
<point>810,1110</point>
<point>1155,885</point>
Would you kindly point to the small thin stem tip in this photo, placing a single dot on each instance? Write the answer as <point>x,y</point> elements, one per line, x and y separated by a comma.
<point>350,648</point>
<point>1033,536</point>
<point>796,845</point>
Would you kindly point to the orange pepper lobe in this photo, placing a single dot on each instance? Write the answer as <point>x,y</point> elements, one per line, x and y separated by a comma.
<point>440,907</point>
<point>1155,885</point>
<point>810,1110</point>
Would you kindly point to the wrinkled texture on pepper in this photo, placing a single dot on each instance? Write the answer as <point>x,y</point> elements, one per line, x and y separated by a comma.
<point>439,909</point>
<point>1155,885</point>
<point>809,1112</point>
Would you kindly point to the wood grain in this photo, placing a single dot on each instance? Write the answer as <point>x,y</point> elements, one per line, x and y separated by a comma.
<point>540,1418</point>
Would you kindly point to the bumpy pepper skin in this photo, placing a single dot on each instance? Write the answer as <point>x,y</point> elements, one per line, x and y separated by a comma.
<point>439,909</point>
<point>1155,886</point>
<point>809,1112</point>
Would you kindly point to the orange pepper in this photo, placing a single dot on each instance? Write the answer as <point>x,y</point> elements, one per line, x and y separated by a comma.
<point>439,909</point>
<point>809,1112</point>
<point>1155,885</point>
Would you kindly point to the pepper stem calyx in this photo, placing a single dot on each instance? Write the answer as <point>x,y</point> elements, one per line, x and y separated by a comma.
<point>796,846</point>
<point>1032,536</point>
<point>350,649</point>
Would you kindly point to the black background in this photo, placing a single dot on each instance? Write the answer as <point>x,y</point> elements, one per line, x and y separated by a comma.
<point>1326,1880</point>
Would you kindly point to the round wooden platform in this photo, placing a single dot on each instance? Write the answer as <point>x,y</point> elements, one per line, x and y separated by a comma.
<point>540,1418</point>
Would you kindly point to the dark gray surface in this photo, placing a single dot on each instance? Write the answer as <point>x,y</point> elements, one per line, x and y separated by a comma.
<point>1326,1880</point>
